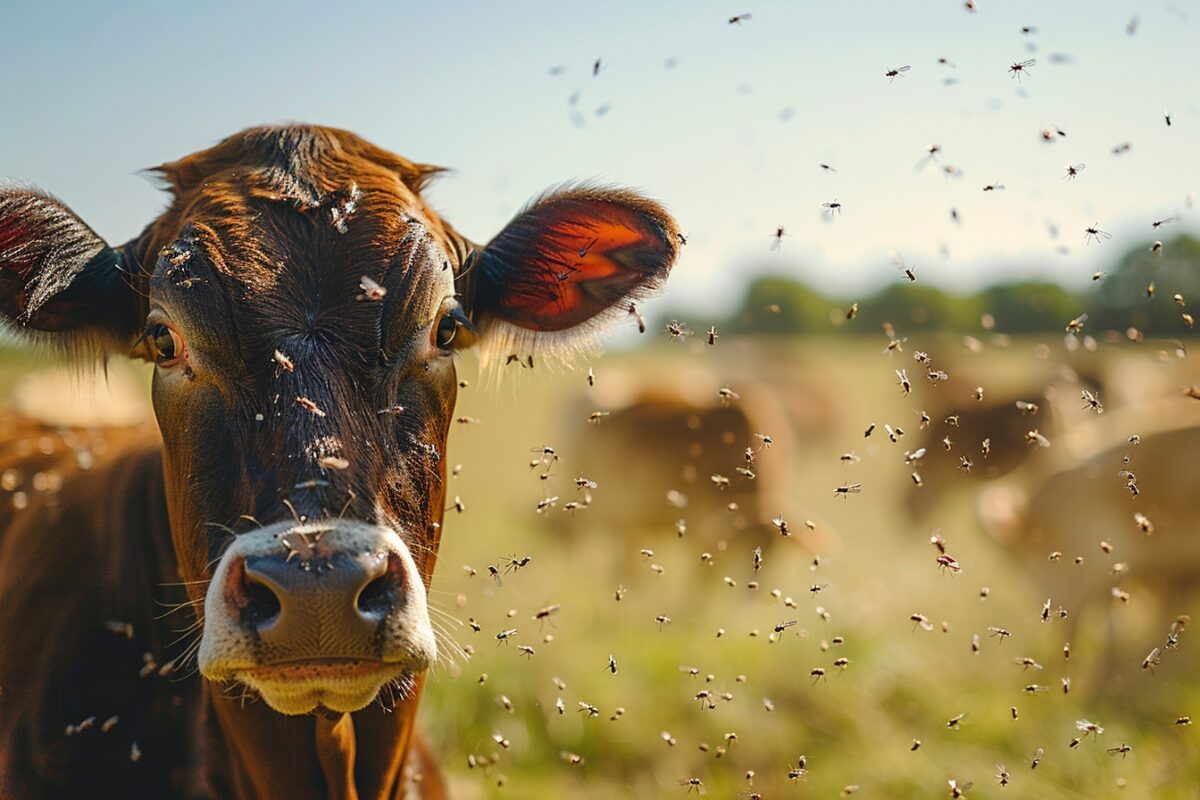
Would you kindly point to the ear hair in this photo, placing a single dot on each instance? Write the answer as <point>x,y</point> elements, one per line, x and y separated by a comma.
<point>536,236</point>
<point>61,285</point>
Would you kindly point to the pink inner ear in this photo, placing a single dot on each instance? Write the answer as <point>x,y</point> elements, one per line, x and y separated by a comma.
<point>16,236</point>
<point>581,258</point>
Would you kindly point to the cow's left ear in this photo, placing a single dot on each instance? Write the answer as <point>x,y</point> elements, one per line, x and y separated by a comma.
<point>59,281</point>
<point>569,262</point>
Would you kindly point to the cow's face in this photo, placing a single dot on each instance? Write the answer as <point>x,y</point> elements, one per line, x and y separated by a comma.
<point>302,307</point>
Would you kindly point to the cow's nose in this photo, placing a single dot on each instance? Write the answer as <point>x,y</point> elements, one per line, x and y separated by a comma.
<point>322,605</point>
<point>302,595</point>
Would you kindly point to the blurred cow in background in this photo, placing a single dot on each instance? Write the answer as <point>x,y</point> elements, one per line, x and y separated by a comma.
<point>1044,396</point>
<point>1117,493</point>
<point>687,457</point>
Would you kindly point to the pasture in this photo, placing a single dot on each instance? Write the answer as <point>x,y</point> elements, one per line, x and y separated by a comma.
<point>850,583</point>
<point>854,727</point>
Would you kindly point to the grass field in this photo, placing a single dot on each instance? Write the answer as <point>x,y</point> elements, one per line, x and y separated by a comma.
<point>855,728</point>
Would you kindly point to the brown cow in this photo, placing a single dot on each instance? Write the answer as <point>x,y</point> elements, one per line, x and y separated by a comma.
<point>302,306</point>
<point>682,451</point>
<point>1081,496</point>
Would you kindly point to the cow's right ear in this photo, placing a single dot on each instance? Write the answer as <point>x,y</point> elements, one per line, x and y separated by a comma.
<point>59,281</point>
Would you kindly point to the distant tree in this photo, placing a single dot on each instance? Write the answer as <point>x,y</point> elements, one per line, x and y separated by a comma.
<point>778,304</point>
<point>1030,306</point>
<point>1123,299</point>
<point>918,307</point>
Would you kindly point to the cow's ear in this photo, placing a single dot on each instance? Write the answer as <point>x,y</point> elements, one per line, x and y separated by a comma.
<point>571,261</point>
<point>59,281</point>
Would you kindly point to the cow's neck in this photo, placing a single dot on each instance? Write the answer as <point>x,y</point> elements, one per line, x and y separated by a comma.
<point>254,752</point>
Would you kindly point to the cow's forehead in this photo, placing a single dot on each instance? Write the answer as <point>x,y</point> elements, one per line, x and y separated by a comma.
<point>301,215</point>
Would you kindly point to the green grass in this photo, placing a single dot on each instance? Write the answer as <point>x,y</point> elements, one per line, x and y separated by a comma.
<point>854,727</point>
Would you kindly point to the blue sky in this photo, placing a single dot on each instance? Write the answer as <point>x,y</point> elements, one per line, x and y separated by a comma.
<point>93,93</point>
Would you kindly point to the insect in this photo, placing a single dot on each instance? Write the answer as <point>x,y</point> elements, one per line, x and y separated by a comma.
<point>678,330</point>
<point>955,722</point>
<point>780,523</point>
<point>957,791</point>
<point>905,386</point>
<point>596,68</point>
<point>1037,758</point>
<point>898,261</point>
<point>1002,775</point>
<point>511,563</point>
<point>947,563</point>
<point>662,619</point>
<point>1020,68</point>
<point>1088,728</point>
<point>1092,401</point>
<point>1093,232</point>
<point>1073,171</point>
<point>994,187</point>
<point>833,207</point>
<point>1025,662</point>
<point>283,361</point>
<point>1027,408</point>
<point>712,335</point>
<point>692,783</point>
<point>526,650</point>
<point>1152,659</point>
<point>931,154</point>
<point>999,633</point>
<point>310,406</point>
<point>827,168</point>
<point>641,322</point>
<point>612,665</point>
<point>780,627</point>
<point>847,489</point>
<point>372,291</point>
<point>898,72</point>
<point>777,237</point>
<point>1167,118</point>
<point>1160,222</point>
<point>921,621</point>
<point>504,636</point>
<point>1122,748</point>
<point>739,19</point>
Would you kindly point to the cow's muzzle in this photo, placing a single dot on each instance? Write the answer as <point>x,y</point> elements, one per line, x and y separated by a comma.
<point>320,614</point>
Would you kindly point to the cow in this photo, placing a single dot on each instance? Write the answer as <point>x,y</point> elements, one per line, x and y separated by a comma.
<point>1050,512</point>
<point>302,306</point>
<point>1044,398</point>
<point>692,461</point>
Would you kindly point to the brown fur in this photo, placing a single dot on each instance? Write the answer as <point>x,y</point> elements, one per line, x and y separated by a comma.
<point>262,251</point>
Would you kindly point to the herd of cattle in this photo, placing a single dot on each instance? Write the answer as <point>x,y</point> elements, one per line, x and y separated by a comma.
<point>1044,506</point>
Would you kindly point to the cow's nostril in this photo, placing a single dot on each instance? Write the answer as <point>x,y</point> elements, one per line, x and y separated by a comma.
<point>262,606</point>
<point>375,599</point>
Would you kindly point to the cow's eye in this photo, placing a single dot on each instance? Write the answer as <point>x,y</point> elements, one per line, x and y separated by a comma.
<point>164,344</point>
<point>454,328</point>
<point>446,330</point>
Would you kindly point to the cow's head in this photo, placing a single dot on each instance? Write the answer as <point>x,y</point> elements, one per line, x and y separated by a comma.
<point>302,306</point>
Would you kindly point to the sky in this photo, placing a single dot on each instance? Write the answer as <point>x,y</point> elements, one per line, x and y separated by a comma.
<point>727,124</point>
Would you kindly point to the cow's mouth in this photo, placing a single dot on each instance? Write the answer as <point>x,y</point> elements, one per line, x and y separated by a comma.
<point>343,685</point>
